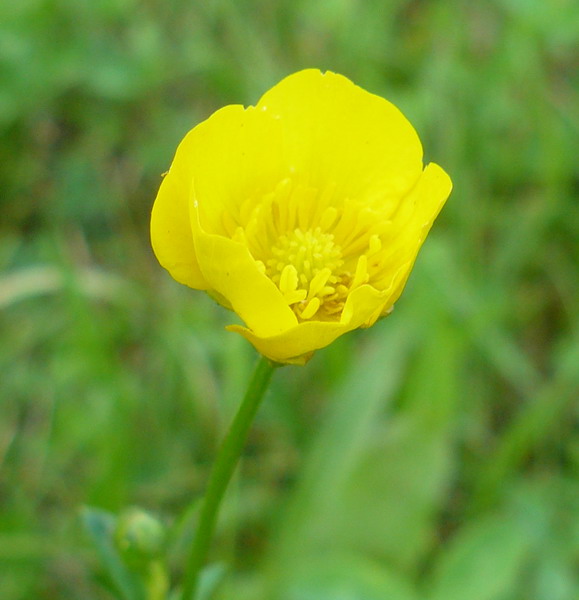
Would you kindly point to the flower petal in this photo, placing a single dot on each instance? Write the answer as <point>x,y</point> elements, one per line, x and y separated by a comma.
<point>171,235</point>
<point>231,271</point>
<point>412,222</point>
<point>236,159</point>
<point>296,344</point>
<point>336,132</point>
<point>232,156</point>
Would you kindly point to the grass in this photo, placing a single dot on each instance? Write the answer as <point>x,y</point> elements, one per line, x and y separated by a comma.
<point>433,457</point>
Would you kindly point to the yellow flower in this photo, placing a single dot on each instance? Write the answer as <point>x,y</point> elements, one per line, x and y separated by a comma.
<point>303,214</point>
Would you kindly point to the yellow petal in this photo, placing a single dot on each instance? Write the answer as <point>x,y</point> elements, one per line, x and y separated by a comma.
<point>336,132</point>
<point>412,223</point>
<point>296,344</point>
<point>232,156</point>
<point>432,192</point>
<point>231,271</point>
<point>171,235</point>
<point>235,160</point>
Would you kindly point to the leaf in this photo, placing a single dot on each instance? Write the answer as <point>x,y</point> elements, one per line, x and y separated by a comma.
<point>387,508</point>
<point>313,515</point>
<point>374,482</point>
<point>346,577</point>
<point>483,562</point>
<point>211,576</point>
<point>100,526</point>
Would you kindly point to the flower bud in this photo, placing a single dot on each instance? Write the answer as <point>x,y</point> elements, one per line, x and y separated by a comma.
<point>139,536</point>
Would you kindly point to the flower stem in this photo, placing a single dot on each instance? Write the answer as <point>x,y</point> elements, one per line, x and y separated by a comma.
<point>227,459</point>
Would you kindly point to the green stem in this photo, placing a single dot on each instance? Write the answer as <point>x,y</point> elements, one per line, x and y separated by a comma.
<point>227,459</point>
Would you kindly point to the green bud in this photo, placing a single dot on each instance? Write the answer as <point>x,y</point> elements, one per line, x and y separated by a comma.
<point>139,536</point>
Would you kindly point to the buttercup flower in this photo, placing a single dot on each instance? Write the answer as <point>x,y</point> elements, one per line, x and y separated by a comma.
<point>303,214</point>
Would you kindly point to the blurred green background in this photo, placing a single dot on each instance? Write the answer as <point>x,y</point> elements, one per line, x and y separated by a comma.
<point>432,457</point>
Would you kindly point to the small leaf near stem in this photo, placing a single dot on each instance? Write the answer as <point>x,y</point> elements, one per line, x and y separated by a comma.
<point>225,463</point>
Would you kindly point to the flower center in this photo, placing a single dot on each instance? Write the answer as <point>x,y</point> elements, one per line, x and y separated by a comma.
<point>316,251</point>
<point>305,265</point>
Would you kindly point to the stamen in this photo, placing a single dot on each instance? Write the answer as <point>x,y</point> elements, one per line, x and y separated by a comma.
<point>311,308</point>
<point>314,247</point>
<point>375,245</point>
<point>328,218</point>
<point>239,235</point>
<point>361,275</point>
<point>327,290</point>
<point>318,282</point>
<point>289,280</point>
<point>228,222</point>
<point>307,201</point>
<point>295,297</point>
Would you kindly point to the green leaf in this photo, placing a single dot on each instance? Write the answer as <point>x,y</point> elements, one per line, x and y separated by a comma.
<point>315,512</point>
<point>100,525</point>
<point>387,507</point>
<point>483,562</point>
<point>209,580</point>
<point>346,577</point>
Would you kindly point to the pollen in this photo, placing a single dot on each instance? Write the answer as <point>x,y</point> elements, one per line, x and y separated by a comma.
<point>306,266</point>
<point>313,272</point>
<point>315,247</point>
